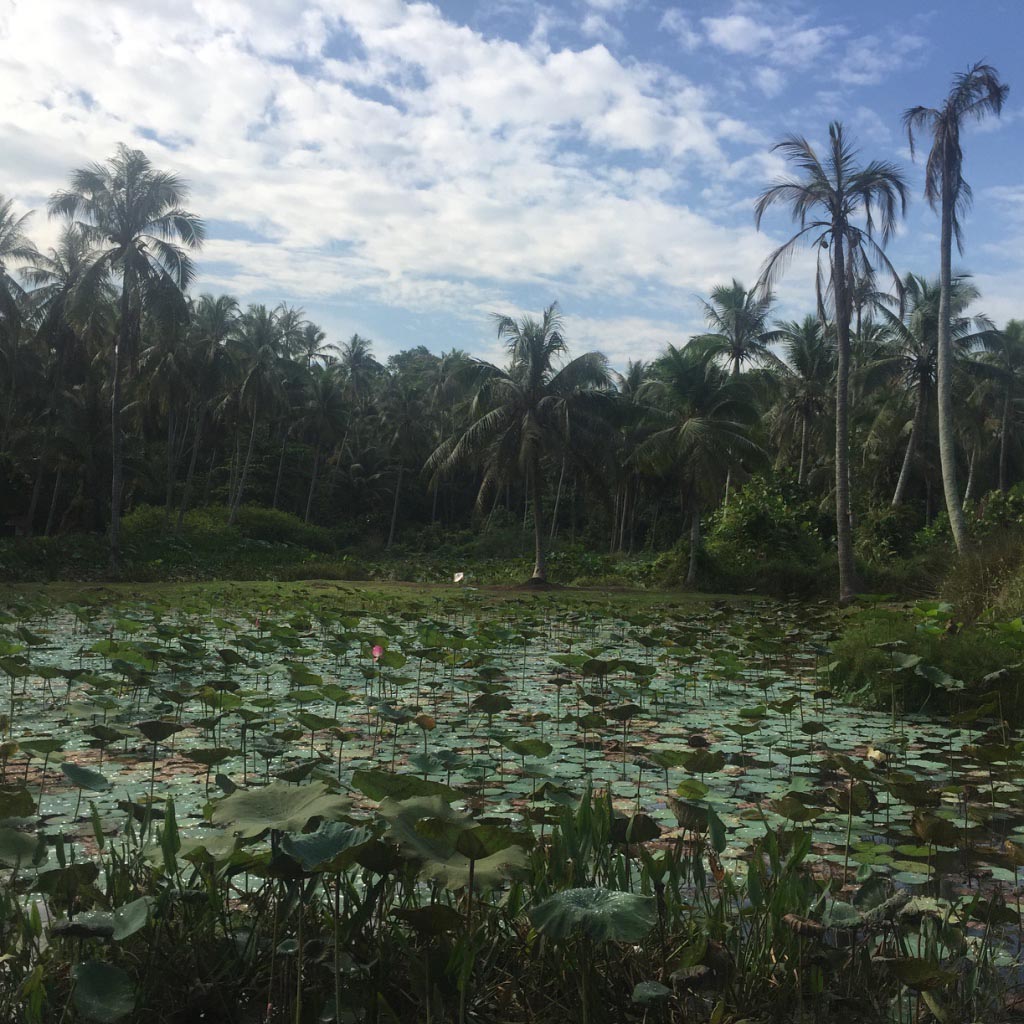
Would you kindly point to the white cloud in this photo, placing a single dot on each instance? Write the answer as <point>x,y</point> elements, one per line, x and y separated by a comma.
<point>675,22</point>
<point>769,81</point>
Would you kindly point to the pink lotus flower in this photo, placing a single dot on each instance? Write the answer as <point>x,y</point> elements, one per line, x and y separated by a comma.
<point>377,651</point>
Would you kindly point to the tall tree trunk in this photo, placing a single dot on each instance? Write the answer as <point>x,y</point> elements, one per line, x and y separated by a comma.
<point>540,569</point>
<point>947,436</point>
<point>233,518</point>
<point>171,469</point>
<point>625,514</point>
<point>691,572</point>
<point>844,533</point>
<point>558,501</point>
<point>433,504</point>
<point>280,465</point>
<point>1004,438</point>
<point>191,472</point>
<point>394,507</point>
<point>970,477</point>
<point>33,504</point>
<point>52,514</point>
<point>908,456</point>
<point>801,472</point>
<point>312,482</point>
<point>116,446</point>
<point>208,482</point>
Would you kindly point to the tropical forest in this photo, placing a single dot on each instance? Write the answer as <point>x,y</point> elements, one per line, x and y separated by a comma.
<point>511,682</point>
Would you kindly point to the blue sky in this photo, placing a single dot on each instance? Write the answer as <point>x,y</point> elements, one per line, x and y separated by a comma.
<point>401,170</point>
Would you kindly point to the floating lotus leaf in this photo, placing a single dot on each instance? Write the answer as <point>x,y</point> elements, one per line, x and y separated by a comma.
<point>377,785</point>
<point>281,807</point>
<point>85,778</point>
<point>603,915</point>
<point>320,850</point>
<point>650,993</point>
<point>103,992</point>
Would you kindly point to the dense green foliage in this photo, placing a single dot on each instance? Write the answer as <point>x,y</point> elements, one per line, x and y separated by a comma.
<point>120,391</point>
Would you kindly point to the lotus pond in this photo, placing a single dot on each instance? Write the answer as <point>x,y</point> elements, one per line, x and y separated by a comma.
<point>318,803</point>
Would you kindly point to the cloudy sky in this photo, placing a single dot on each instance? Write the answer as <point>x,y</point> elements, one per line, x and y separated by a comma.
<point>403,169</point>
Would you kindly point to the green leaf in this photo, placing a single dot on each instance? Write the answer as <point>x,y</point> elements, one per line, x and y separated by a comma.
<point>103,993</point>
<point>377,785</point>
<point>604,915</point>
<point>132,917</point>
<point>279,806</point>
<point>649,993</point>
<point>19,848</point>
<point>320,850</point>
<point>85,778</point>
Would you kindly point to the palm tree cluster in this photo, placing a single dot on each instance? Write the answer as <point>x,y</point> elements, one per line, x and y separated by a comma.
<point>119,388</point>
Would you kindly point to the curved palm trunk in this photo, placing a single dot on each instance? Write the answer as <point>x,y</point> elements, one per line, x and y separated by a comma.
<point>1004,437</point>
<point>803,452</point>
<point>908,457</point>
<point>116,447</point>
<point>558,501</point>
<point>280,465</point>
<point>37,489</point>
<point>394,508</point>
<point>312,482</point>
<point>947,437</point>
<point>540,569</point>
<point>691,571</point>
<point>172,468</point>
<point>970,477</point>
<point>51,516</point>
<point>245,471</point>
<point>191,472</point>
<point>844,532</point>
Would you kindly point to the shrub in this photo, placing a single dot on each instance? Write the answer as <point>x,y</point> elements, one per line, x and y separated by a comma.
<point>279,527</point>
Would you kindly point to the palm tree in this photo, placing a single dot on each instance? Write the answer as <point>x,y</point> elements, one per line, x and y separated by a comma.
<point>838,206</point>
<point>214,320</point>
<point>909,359</point>
<point>974,94</point>
<point>802,385</point>
<point>323,415</point>
<point>1003,362</point>
<point>739,326</point>
<point>259,341</point>
<point>132,214</point>
<point>700,421</point>
<point>15,247</point>
<point>529,411</point>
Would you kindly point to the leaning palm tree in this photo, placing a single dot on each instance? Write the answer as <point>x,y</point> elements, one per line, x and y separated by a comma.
<point>907,363</point>
<point>132,215</point>
<point>529,411</point>
<point>1002,363</point>
<point>700,418</point>
<point>975,93</point>
<point>839,205</point>
<point>738,323</point>
<point>801,387</point>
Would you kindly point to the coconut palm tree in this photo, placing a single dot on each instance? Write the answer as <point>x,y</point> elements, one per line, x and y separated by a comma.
<point>908,362</point>
<point>15,247</point>
<point>213,322</point>
<point>839,206</point>
<point>133,216</point>
<point>700,420</point>
<point>529,411</point>
<point>323,416</point>
<point>259,340</point>
<point>801,385</point>
<point>975,93</point>
<point>1002,362</point>
<point>738,322</point>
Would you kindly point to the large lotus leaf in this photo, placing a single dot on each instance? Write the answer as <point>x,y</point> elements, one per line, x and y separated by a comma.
<point>103,992</point>
<point>210,756</point>
<point>650,993</point>
<point>605,915</point>
<point>279,806</point>
<point>487,873</point>
<point>323,848</point>
<point>85,778</point>
<point>640,828</point>
<point>433,919</point>
<point>132,917</point>
<point>482,841</point>
<point>424,826</point>
<point>378,785</point>
<point>19,848</point>
<point>156,730</point>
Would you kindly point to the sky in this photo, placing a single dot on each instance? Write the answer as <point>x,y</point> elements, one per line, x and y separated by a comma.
<point>402,170</point>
